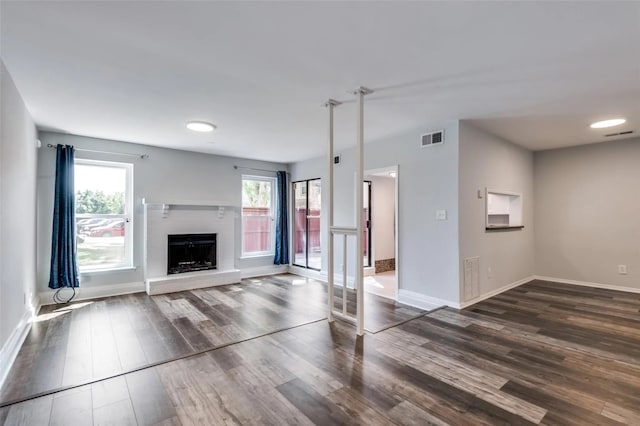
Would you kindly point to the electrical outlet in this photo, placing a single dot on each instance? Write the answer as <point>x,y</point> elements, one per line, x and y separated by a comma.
<point>622,269</point>
<point>441,215</point>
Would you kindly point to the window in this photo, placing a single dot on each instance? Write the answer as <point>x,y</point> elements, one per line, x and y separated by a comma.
<point>258,224</point>
<point>104,220</point>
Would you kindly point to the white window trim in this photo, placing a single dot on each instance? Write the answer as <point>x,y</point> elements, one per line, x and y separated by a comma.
<point>128,213</point>
<point>272,243</point>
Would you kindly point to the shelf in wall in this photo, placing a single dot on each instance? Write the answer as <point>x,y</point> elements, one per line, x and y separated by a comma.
<point>503,228</point>
<point>503,210</point>
<point>194,203</point>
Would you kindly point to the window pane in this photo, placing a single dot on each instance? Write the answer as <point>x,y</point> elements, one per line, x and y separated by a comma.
<point>101,242</point>
<point>300,223</point>
<point>101,220</point>
<point>256,216</point>
<point>99,189</point>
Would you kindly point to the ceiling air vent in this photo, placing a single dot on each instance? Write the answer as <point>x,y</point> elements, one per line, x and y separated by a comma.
<point>433,138</point>
<point>627,132</point>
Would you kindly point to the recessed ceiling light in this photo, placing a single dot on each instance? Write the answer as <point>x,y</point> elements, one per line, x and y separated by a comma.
<point>200,126</point>
<point>608,123</point>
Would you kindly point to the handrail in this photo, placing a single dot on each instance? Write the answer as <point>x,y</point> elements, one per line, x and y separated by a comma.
<point>344,230</point>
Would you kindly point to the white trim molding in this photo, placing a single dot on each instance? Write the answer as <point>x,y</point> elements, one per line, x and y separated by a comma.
<point>260,271</point>
<point>421,301</point>
<point>191,281</point>
<point>495,292</point>
<point>9,352</point>
<point>322,276</point>
<point>308,273</point>
<point>588,284</point>
<point>84,292</point>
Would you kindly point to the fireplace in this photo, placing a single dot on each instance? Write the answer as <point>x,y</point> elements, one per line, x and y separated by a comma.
<point>191,252</point>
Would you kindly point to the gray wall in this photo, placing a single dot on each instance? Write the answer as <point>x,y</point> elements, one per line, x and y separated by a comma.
<point>165,176</point>
<point>428,180</point>
<point>17,207</point>
<point>587,213</point>
<point>489,161</point>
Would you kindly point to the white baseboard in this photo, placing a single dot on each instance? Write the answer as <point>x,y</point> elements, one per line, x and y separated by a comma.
<point>84,293</point>
<point>308,273</point>
<point>10,349</point>
<point>588,284</point>
<point>495,292</point>
<point>191,281</point>
<point>421,301</point>
<point>263,270</point>
<point>322,276</point>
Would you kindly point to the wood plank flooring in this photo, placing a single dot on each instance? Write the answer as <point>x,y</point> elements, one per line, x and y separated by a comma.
<point>542,353</point>
<point>85,341</point>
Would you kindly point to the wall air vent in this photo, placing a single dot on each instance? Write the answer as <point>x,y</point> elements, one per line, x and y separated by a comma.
<point>627,132</point>
<point>433,138</point>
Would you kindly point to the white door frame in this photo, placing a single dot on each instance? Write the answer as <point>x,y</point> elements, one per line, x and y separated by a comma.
<point>391,169</point>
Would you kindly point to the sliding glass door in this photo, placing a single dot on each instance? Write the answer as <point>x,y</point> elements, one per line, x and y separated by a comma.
<point>306,223</point>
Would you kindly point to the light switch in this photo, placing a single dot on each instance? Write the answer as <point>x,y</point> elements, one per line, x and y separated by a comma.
<point>441,215</point>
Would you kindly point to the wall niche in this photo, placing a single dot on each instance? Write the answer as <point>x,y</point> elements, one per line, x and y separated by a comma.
<point>503,210</point>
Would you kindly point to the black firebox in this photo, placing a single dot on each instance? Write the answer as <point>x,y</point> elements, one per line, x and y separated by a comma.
<point>191,252</point>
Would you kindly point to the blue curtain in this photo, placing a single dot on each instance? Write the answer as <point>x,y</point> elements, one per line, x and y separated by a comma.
<point>282,221</point>
<point>64,266</point>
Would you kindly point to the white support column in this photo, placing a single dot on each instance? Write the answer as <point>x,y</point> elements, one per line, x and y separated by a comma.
<point>360,92</point>
<point>330,105</point>
<point>344,274</point>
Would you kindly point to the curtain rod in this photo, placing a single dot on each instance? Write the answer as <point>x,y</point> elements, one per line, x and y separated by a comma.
<point>143,156</point>
<point>254,169</point>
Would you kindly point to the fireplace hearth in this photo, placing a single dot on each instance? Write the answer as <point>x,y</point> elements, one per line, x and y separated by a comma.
<point>190,253</point>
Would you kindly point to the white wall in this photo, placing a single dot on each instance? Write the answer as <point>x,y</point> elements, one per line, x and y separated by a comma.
<point>588,213</point>
<point>167,175</point>
<point>428,181</point>
<point>17,211</point>
<point>383,210</point>
<point>488,161</point>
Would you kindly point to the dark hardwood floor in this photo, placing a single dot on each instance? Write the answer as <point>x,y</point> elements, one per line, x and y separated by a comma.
<point>543,353</point>
<point>85,341</point>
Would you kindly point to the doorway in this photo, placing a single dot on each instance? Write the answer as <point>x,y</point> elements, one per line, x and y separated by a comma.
<point>366,220</point>
<point>381,205</point>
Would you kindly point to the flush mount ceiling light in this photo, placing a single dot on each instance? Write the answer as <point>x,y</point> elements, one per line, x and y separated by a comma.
<point>608,123</point>
<point>200,126</point>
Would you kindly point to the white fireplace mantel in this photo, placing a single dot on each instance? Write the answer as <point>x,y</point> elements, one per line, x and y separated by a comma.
<point>188,203</point>
<point>187,217</point>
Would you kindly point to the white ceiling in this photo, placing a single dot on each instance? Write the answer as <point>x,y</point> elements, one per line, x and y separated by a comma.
<point>536,73</point>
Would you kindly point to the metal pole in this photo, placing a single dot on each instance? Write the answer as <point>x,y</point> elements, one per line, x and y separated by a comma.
<point>361,92</point>
<point>330,104</point>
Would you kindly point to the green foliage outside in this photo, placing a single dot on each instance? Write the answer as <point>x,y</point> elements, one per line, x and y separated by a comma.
<point>97,202</point>
<point>256,193</point>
